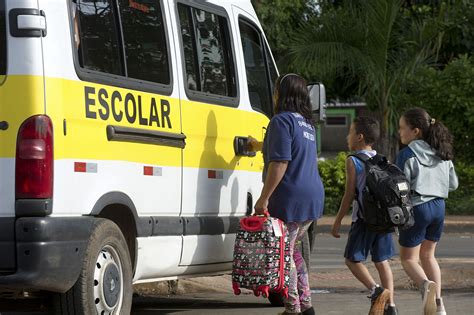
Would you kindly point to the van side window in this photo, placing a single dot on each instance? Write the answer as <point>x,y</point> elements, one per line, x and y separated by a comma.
<point>3,41</point>
<point>207,52</point>
<point>131,43</point>
<point>271,67</point>
<point>259,67</point>
<point>144,41</point>
<point>99,43</point>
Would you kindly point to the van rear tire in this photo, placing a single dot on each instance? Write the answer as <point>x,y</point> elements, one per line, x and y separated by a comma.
<point>105,281</point>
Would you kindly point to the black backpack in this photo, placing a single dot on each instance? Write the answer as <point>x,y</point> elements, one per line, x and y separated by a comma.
<point>386,196</point>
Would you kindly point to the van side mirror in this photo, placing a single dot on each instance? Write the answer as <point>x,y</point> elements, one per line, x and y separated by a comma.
<point>317,95</point>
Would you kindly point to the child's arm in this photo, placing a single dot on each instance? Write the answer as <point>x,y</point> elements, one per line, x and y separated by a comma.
<point>348,197</point>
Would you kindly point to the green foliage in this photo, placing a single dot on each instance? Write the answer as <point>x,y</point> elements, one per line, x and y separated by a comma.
<point>461,201</point>
<point>333,175</point>
<point>279,19</point>
<point>456,18</point>
<point>448,95</point>
<point>373,47</point>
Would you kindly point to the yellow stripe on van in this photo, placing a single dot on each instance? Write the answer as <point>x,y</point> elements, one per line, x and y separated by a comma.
<point>88,108</point>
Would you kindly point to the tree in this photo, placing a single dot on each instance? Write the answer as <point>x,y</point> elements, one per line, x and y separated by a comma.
<point>279,19</point>
<point>372,45</point>
<point>448,95</point>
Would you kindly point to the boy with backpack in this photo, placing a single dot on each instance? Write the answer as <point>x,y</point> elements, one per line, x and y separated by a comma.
<point>364,132</point>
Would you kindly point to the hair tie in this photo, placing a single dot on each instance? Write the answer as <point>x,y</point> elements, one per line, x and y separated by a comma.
<point>287,75</point>
<point>432,121</point>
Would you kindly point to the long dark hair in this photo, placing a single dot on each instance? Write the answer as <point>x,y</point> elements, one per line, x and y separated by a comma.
<point>293,96</point>
<point>432,131</point>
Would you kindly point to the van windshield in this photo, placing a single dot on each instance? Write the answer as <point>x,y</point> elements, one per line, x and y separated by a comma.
<point>3,42</point>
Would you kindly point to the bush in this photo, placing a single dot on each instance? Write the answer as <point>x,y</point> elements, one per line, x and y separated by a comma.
<point>449,97</point>
<point>332,173</point>
<point>460,202</point>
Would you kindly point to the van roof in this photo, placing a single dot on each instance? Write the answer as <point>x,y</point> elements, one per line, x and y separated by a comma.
<point>245,5</point>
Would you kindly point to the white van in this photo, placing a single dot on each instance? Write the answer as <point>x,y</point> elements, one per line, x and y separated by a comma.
<point>122,132</point>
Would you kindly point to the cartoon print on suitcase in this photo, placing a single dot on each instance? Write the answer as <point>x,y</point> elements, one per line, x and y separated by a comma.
<point>261,256</point>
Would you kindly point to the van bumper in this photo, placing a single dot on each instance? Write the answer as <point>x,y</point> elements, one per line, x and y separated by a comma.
<point>49,252</point>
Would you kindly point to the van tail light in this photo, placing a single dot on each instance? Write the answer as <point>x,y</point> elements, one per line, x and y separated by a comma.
<point>34,159</point>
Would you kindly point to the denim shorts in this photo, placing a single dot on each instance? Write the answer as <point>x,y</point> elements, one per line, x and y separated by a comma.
<point>429,223</point>
<point>362,241</point>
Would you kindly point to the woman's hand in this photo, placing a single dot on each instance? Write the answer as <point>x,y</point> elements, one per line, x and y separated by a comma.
<point>335,228</point>
<point>261,206</point>
<point>253,144</point>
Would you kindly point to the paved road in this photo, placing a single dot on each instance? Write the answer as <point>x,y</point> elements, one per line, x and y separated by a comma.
<point>329,250</point>
<point>327,256</point>
<point>458,303</point>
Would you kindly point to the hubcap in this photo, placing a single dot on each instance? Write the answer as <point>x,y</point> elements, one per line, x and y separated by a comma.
<point>108,282</point>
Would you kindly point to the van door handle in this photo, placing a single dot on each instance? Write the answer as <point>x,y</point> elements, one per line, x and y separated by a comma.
<point>3,125</point>
<point>241,147</point>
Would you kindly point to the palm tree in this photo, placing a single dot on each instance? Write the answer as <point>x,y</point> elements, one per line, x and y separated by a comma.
<point>374,47</point>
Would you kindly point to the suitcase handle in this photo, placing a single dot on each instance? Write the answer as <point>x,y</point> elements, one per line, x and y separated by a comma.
<point>253,223</point>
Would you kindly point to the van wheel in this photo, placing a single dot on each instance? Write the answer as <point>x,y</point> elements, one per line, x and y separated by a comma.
<point>105,282</point>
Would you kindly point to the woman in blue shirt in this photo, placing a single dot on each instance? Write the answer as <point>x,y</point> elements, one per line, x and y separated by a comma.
<point>292,190</point>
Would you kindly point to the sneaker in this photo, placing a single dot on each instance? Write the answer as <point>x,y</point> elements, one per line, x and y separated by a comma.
<point>309,311</point>
<point>391,310</point>
<point>378,299</point>
<point>440,310</point>
<point>428,296</point>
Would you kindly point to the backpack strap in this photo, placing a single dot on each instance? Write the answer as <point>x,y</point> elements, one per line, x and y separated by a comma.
<point>364,158</point>
<point>360,156</point>
<point>376,159</point>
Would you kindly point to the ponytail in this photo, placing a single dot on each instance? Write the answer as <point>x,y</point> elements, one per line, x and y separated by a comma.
<point>441,140</point>
<point>433,132</point>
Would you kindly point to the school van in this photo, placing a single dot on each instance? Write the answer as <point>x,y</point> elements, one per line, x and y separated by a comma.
<point>122,142</point>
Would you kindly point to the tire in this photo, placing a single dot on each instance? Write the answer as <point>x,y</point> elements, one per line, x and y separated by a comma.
<point>276,299</point>
<point>104,285</point>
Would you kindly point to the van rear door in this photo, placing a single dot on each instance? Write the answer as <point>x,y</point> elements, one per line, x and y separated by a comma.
<point>21,96</point>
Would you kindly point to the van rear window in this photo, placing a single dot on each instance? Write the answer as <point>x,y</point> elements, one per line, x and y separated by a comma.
<point>122,37</point>
<point>3,40</point>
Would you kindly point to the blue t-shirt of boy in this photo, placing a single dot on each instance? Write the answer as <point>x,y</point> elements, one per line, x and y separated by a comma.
<point>300,194</point>
<point>360,182</point>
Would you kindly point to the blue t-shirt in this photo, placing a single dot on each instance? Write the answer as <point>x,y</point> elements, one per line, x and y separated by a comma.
<point>360,182</point>
<point>300,194</point>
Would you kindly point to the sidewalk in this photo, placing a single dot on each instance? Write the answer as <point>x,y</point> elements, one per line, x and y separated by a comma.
<point>452,224</point>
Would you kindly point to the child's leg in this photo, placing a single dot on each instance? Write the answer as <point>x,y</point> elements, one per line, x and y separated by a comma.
<point>386,277</point>
<point>360,271</point>
<point>430,264</point>
<point>410,257</point>
<point>428,246</point>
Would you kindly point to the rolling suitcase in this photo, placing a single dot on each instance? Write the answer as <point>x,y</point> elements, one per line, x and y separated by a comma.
<point>261,256</point>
